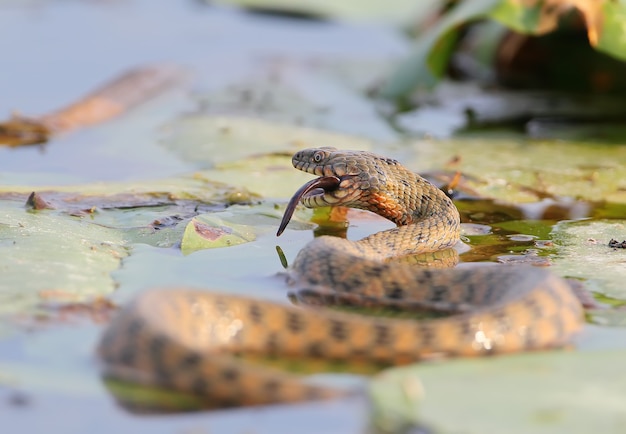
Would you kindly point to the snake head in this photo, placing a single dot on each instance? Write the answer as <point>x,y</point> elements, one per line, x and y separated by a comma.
<point>346,178</point>
<point>361,174</point>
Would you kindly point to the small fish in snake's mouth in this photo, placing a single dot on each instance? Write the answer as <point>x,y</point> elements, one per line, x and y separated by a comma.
<point>315,187</point>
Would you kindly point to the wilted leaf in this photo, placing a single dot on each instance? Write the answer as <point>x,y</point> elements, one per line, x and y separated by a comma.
<point>113,98</point>
<point>604,19</point>
<point>427,63</point>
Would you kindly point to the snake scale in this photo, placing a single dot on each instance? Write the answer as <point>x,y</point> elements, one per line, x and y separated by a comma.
<point>192,341</point>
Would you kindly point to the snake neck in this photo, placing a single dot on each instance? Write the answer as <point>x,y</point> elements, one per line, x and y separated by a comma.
<point>375,183</point>
<point>406,198</point>
<point>427,219</point>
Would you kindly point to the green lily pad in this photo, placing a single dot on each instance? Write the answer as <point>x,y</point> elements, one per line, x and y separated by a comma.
<point>47,256</point>
<point>251,154</point>
<point>515,171</point>
<point>582,252</point>
<point>209,140</point>
<point>547,392</point>
<point>192,187</point>
<point>269,175</point>
<point>395,398</point>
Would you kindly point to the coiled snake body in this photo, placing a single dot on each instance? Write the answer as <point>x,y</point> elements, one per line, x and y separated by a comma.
<point>190,340</point>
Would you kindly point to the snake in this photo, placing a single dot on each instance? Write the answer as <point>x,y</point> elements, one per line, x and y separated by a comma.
<point>204,342</point>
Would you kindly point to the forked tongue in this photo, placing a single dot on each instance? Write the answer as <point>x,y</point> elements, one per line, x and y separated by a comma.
<point>325,182</point>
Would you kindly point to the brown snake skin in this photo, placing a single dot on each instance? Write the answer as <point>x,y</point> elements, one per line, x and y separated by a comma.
<point>191,340</point>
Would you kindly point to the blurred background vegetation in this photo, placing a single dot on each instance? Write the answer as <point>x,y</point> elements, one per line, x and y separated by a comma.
<point>544,63</point>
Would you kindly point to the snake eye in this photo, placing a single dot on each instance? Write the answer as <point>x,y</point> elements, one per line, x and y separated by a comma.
<point>318,156</point>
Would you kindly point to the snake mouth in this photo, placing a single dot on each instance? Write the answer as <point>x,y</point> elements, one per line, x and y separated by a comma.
<point>313,191</point>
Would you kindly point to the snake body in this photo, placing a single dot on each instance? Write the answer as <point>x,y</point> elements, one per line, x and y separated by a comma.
<point>191,340</point>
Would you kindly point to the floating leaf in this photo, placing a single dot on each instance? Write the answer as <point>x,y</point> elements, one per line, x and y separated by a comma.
<point>583,252</point>
<point>212,140</point>
<point>50,257</point>
<point>209,232</point>
<point>544,392</point>
<point>514,171</point>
